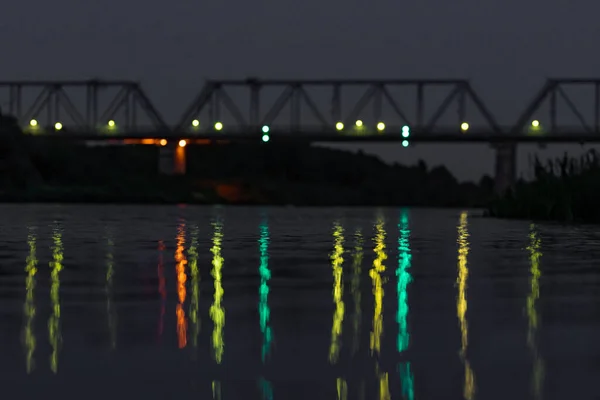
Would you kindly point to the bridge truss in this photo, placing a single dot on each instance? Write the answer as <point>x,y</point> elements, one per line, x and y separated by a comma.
<point>563,108</point>
<point>43,104</point>
<point>315,107</point>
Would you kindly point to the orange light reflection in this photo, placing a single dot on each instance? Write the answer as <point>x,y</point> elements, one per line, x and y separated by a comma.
<point>181,292</point>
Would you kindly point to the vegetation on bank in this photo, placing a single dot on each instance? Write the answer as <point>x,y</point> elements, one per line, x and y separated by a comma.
<point>41,170</point>
<point>566,189</point>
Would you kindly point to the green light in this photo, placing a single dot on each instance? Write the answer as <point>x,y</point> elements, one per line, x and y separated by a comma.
<point>265,129</point>
<point>405,143</point>
<point>405,131</point>
<point>265,138</point>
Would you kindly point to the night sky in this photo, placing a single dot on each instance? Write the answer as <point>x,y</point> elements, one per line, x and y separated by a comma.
<point>506,48</point>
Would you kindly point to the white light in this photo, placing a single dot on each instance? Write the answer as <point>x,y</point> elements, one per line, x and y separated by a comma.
<point>339,126</point>
<point>195,123</point>
<point>58,126</point>
<point>380,126</point>
<point>464,126</point>
<point>359,123</point>
<point>405,131</point>
<point>218,126</point>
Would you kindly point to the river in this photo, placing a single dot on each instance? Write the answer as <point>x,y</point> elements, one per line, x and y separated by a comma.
<point>190,302</point>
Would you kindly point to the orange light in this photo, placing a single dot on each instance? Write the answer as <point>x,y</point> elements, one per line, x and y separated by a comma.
<point>163,142</point>
<point>182,143</point>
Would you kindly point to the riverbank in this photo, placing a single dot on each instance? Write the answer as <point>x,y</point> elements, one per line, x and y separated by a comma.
<point>563,190</point>
<point>261,174</point>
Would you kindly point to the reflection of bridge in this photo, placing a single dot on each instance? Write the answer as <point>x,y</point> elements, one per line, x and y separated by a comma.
<point>406,111</point>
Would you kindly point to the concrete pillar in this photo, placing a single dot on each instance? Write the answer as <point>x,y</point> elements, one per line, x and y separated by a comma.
<point>172,160</point>
<point>506,167</point>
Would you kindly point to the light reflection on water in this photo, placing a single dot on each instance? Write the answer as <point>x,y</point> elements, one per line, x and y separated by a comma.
<point>316,278</point>
<point>54,325</point>
<point>461,303</point>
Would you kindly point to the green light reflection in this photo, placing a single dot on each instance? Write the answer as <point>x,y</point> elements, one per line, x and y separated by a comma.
<point>404,279</point>
<point>265,275</point>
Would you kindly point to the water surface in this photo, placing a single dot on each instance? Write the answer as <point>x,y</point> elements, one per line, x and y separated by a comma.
<point>294,303</point>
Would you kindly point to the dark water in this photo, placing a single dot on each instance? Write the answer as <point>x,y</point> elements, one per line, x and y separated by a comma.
<point>244,303</point>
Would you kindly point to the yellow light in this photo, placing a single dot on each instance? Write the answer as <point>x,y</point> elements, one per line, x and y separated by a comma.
<point>111,123</point>
<point>380,126</point>
<point>33,122</point>
<point>535,123</point>
<point>195,123</point>
<point>339,126</point>
<point>218,126</point>
<point>182,143</point>
<point>58,126</point>
<point>163,142</point>
<point>359,123</point>
<point>464,126</point>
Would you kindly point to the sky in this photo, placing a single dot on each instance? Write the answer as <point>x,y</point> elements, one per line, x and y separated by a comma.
<point>505,48</point>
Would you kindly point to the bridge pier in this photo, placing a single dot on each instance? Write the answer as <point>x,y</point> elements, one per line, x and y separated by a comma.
<point>172,160</point>
<point>505,168</point>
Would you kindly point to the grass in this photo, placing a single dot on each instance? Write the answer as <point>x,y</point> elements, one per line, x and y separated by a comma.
<point>565,189</point>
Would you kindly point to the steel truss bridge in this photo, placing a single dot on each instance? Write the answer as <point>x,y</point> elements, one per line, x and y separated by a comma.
<point>564,110</point>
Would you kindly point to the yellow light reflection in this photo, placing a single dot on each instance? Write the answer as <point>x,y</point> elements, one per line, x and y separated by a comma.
<point>338,292</point>
<point>217,312</point>
<point>56,265</point>
<point>378,293</point>
<point>342,389</point>
<point>110,310</point>
<point>29,309</point>
<point>216,390</point>
<point>357,257</point>
<point>535,254</point>
<point>181,291</point>
<point>384,387</point>
<point>461,303</point>
<point>375,274</point>
<point>195,275</point>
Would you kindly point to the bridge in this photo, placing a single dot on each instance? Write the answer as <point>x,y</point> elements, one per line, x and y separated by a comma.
<point>333,110</point>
